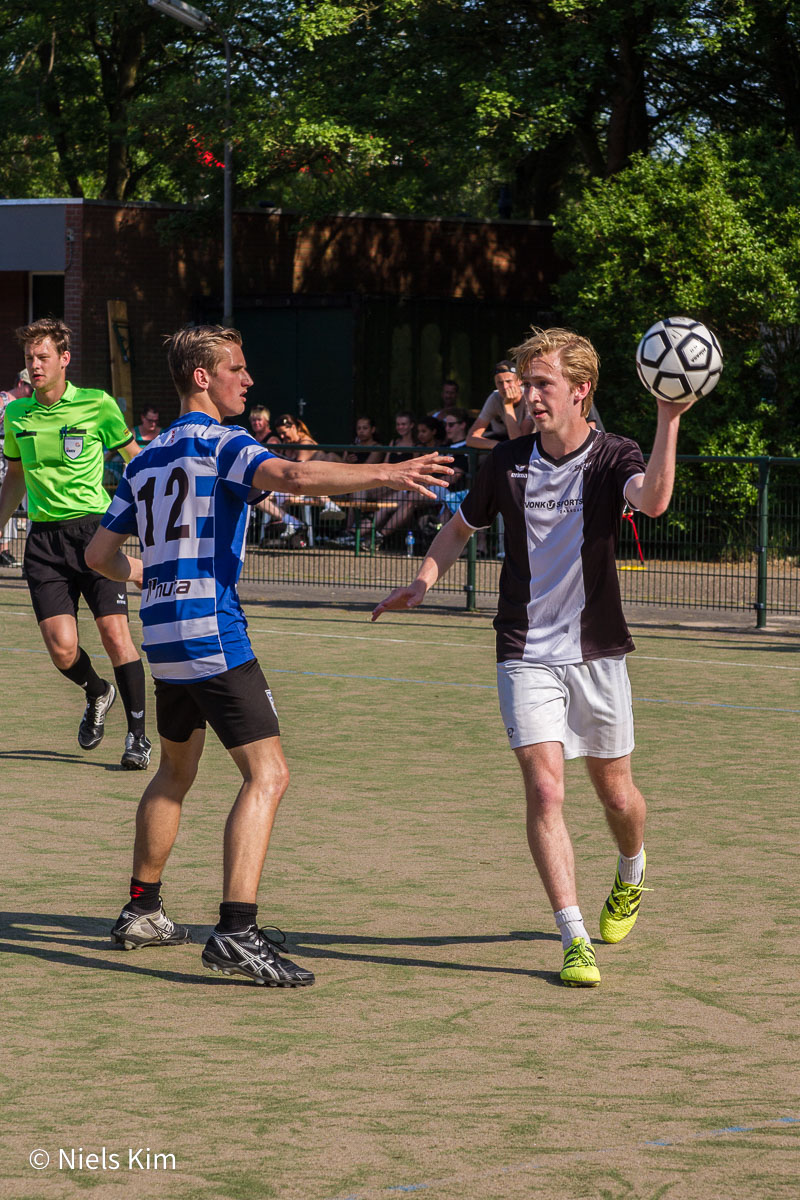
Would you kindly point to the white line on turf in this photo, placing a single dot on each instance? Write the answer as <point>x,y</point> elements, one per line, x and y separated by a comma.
<point>440,645</point>
<point>481,687</point>
<point>362,637</point>
<point>490,687</point>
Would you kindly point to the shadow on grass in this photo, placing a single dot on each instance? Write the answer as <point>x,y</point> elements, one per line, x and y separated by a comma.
<point>56,756</point>
<point>47,931</point>
<point>326,946</point>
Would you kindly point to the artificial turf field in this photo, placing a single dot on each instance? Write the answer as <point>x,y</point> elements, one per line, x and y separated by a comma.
<point>437,1052</point>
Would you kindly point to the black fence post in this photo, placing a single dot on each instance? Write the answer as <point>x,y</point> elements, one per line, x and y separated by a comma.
<point>472,549</point>
<point>763,543</point>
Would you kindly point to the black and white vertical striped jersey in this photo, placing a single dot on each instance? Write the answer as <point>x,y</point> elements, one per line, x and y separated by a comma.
<point>559,596</point>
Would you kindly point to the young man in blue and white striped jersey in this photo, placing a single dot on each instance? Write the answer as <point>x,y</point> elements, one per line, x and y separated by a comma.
<point>187,497</point>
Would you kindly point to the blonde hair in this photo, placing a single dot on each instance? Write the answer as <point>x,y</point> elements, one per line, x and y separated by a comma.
<point>577,357</point>
<point>197,346</point>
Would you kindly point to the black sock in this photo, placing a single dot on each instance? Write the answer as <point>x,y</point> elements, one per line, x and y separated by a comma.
<point>235,917</point>
<point>131,688</point>
<point>145,897</point>
<point>83,673</point>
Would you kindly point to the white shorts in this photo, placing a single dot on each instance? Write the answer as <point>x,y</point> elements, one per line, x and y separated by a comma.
<point>585,706</point>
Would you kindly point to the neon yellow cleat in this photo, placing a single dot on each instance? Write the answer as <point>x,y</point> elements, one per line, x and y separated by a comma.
<point>621,908</point>
<point>580,968</point>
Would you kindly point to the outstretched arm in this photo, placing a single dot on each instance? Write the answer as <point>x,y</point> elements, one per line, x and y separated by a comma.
<point>651,493</point>
<point>104,554</point>
<point>445,549</point>
<point>321,478</point>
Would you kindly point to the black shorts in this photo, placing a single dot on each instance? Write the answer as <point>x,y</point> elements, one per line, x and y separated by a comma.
<point>57,575</point>
<point>237,704</point>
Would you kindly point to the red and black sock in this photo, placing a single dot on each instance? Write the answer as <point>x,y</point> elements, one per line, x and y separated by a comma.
<point>145,897</point>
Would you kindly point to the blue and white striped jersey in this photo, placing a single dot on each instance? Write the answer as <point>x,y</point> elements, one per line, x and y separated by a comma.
<point>186,495</point>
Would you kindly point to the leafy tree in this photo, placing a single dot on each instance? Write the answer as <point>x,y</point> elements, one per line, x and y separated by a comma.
<point>691,235</point>
<point>94,100</point>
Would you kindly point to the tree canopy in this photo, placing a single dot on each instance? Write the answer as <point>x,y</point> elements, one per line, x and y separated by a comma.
<point>663,140</point>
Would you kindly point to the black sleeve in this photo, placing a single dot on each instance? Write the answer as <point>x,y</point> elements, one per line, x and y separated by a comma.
<point>479,506</point>
<point>628,461</point>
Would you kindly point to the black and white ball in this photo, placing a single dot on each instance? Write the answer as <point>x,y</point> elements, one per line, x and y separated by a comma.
<point>679,358</point>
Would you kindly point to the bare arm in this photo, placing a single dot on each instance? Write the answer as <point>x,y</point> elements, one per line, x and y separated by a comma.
<point>12,491</point>
<point>104,554</point>
<point>444,551</point>
<point>130,449</point>
<point>475,436</point>
<point>321,478</point>
<point>651,493</point>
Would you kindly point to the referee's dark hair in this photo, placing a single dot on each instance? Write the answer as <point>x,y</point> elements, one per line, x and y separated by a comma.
<point>54,328</point>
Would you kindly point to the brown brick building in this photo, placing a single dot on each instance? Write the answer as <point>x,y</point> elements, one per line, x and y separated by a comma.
<point>349,314</point>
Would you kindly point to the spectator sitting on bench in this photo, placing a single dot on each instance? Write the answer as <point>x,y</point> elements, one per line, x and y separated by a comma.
<point>365,436</point>
<point>455,431</point>
<point>280,524</point>
<point>298,444</point>
<point>430,435</point>
<point>389,501</point>
<point>503,415</point>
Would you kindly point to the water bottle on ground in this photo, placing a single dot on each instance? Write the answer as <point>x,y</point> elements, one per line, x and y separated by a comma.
<point>410,544</point>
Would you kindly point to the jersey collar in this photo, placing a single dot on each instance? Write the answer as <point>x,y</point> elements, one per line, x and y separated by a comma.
<point>558,462</point>
<point>67,395</point>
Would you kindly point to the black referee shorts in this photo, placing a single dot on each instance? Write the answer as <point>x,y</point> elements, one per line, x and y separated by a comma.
<point>57,575</point>
<point>237,704</point>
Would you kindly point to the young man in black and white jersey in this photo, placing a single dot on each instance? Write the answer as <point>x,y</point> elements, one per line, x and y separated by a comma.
<point>561,633</point>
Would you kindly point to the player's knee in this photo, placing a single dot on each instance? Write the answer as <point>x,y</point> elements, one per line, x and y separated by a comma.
<point>544,797</point>
<point>618,800</point>
<point>273,782</point>
<point>118,645</point>
<point>63,654</point>
<point>175,776</point>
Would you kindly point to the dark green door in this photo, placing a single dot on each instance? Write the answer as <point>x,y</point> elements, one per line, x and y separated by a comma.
<point>302,362</point>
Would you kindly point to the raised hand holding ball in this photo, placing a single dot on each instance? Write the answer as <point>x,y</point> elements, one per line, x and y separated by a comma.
<point>679,359</point>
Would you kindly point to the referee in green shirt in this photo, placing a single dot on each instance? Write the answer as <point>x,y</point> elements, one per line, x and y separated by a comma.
<point>55,442</point>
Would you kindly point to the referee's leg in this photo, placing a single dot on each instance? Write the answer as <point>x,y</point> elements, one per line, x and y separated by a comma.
<point>60,636</point>
<point>265,778</point>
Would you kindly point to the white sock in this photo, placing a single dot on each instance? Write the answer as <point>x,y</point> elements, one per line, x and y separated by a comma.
<point>570,923</point>
<point>631,870</point>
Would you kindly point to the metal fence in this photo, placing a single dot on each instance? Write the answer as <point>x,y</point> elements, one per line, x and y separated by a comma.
<point>730,540</point>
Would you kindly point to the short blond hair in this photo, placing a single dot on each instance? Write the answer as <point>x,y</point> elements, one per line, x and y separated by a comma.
<point>577,357</point>
<point>197,346</point>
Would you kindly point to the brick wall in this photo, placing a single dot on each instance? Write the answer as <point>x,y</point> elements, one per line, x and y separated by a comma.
<point>123,252</point>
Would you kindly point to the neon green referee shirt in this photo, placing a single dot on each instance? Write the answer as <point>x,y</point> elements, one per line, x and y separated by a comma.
<point>61,448</point>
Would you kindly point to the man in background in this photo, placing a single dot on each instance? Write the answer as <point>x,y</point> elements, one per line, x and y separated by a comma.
<point>21,390</point>
<point>55,444</point>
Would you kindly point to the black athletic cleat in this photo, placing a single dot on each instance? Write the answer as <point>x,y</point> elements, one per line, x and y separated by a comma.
<point>255,956</point>
<point>136,756</point>
<point>92,726</point>
<point>134,930</point>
